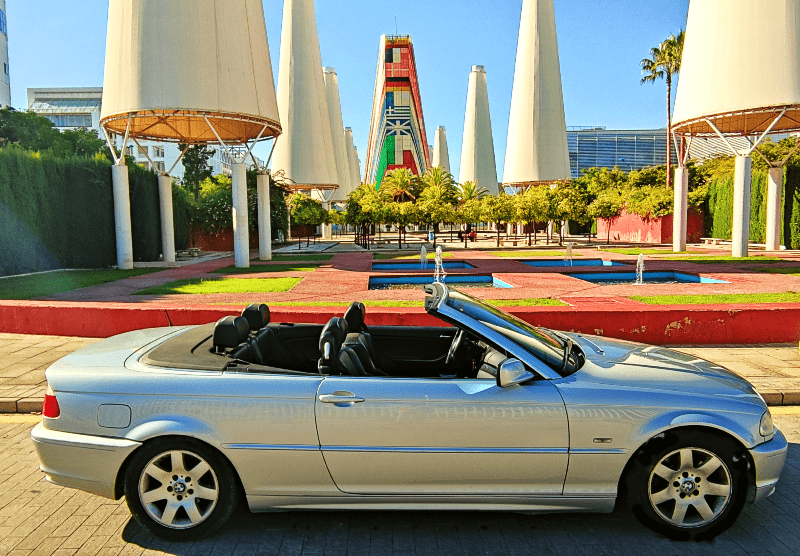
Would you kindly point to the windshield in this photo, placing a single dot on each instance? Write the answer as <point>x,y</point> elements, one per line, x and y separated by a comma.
<point>541,342</point>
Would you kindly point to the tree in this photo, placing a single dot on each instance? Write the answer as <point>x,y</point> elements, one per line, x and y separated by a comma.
<point>85,142</point>
<point>435,205</point>
<point>196,168</point>
<point>442,181</point>
<point>664,62</point>
<point>468,213</point>
<point>569,203</point>
<point>401,185</point>
<point>401,214</point>
<point>607,206</point>
<point>306,211</point>
<point>470,190</point>
<point>533,206</point>
<point>499,210</point>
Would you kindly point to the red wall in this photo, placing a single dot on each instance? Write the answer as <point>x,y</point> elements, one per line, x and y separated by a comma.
<point>220,242</point>
<point>633,228</point>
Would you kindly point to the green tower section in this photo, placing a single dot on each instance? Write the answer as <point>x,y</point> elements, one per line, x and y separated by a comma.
<point>387,159</point>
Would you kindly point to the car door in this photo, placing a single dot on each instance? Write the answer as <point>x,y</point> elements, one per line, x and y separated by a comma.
<point>391,344</point>
<point>439,436</point>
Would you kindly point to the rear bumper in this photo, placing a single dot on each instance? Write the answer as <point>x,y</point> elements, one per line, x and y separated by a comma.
<point>89,463</point>
<point>768,459</point>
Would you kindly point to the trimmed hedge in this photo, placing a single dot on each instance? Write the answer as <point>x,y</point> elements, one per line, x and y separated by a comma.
<point>720,208</point>
<point>59,213</point>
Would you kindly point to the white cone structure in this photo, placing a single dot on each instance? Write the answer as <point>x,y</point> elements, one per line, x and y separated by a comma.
<point>441,154</point>
<point>477,149</point>
<point>305,150</point>
<point>352,160</point>
<point>733,84</point>
<point>337,134</point>
<point>536,150</point>
<point>189,72</point>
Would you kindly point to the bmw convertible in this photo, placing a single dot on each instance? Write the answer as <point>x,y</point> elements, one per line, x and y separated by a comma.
<point>486,412</point>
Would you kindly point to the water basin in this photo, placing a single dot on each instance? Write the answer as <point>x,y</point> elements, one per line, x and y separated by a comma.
<point>544,263</point>
<point>449,265</point>
<point>649,277</point>
<point>413,282</point>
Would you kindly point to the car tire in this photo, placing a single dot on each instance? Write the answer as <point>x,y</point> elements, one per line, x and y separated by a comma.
<point>180,489</point>
<point>693,488</point>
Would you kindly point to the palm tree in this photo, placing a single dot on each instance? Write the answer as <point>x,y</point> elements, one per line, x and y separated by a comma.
<point>442,179</point>
<point>401,185</point>
<point>664,62</point>
<point>470,190</point>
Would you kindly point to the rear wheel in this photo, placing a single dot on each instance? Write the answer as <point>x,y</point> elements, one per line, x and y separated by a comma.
<point>180,489</point>
<point>692,489</point>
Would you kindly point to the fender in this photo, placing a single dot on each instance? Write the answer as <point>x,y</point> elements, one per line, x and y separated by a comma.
<point>172,425</point>
<point>678,419</point>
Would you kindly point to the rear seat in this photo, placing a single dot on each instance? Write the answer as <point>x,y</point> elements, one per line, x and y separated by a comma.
<point>230,338</point>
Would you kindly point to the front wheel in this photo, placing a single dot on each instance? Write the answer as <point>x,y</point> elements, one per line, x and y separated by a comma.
<point>692,489</point>
<point>180,489</point>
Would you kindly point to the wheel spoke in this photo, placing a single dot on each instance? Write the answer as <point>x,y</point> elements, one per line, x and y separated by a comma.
<point>157,473</point>
<point>703,509</point>
<point>715,489</point>
<point>687,461</point>
<point>664,496</point>
<point>153,496</point>
<point>169,513</point>
<point>664,472</point>
<point>680,512</point>
<point>192,511</point>
<point>206,493</point>
<point>177,462</point>
<point>199,470</point>
<point>709,467</point>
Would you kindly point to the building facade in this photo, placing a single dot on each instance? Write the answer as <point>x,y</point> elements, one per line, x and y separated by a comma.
<point>5,77</point>
<point>79,107</point>
<point>397,137</point>
<point>598,147</point>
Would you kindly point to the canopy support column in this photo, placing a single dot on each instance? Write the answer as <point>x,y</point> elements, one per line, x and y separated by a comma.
<point>741,205</point>
<point>241,231</point>
<point>120,183</point>
<point>264,218</point>
<point>774,203</point>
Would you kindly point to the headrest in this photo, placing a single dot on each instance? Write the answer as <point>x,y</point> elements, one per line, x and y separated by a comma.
<point>257,316</point>
<point>355,316</point>
<point>229,332</point>
<point>330,342</point>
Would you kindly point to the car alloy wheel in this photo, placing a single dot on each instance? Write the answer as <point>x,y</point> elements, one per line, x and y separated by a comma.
<point>178,489</point>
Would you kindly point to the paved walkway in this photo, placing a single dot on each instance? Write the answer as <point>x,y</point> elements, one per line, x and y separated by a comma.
<point>773,369</point>
<point>40,519</point>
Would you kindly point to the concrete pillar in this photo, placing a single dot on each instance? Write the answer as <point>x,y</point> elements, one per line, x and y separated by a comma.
<point>327,229</point>
<point>774,202</point>
<point>264,220</point>
<point>680,216</point>
<point>741,205</point>
<point>241,231</point>
<point>167,225</point>
<point>122,216</point>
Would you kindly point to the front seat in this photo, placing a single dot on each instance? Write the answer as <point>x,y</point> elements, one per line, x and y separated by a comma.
<point>359,335</point>
<point>330,343</point>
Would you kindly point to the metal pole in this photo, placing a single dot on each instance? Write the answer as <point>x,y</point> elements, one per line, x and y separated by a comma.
<point>741,205</point>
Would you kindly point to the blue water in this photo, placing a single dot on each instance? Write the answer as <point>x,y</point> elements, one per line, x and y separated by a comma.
<point>575,262</point>
<point>451,265</point>
<point>650,277</point>
<point>388,282</point>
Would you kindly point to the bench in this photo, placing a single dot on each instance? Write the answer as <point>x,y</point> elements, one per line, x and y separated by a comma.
<point>711,240</point>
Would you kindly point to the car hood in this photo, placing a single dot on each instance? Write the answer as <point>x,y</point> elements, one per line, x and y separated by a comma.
<point>656,368</point>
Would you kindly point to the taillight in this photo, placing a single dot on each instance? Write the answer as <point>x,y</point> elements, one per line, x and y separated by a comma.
<point>50,408</point>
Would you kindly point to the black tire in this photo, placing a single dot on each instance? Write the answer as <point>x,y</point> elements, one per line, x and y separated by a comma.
<point>197,505</point>
<point>694,503</point>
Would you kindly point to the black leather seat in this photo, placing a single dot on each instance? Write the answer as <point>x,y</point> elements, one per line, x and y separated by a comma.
<point>359,339</point>
<point>330,344</point>
<point>231,336</point>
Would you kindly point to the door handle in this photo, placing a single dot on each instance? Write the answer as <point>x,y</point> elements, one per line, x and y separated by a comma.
<point>340,398</point>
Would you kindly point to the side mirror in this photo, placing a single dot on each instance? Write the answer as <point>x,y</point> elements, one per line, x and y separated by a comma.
<point>512,372</point>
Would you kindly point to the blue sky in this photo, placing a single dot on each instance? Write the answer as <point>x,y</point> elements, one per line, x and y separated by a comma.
<point>61,43</point>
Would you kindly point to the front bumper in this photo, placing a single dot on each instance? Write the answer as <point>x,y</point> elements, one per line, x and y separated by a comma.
<point>768,459</point>
<point>89,463</point>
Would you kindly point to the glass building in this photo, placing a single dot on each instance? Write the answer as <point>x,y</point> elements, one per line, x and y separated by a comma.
<point>598,147</point>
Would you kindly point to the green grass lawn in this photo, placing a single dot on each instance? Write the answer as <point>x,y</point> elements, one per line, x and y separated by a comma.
<point>261,268</point>
<point>720,299</point>
<point>398,257</point>
<point>299,257</point>
<point>522,254</point>
<point>417,303</point>
<point>41,285</point>
<point>714,259</point>
<point>224,285</point>
<point>792,271</point>
<point>642,251</point>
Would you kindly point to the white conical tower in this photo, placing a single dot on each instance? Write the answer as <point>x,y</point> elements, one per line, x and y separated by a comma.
<point>305,151</point>
<point>477,150</point>
<point>352,158</point>
<point>441,156</point>
<point>337,134</point>
<point>536,150</point>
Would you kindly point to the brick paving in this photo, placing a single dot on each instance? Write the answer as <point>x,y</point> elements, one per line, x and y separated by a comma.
<point>773,369</point>
<point>40,519</point>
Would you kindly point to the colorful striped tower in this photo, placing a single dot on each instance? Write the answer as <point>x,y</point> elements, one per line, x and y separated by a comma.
<point>397,136</point>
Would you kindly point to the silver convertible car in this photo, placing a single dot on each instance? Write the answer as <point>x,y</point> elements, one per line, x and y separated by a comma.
<point>489,413</point>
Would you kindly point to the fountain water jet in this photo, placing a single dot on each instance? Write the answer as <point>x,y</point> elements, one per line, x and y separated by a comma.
<point>423,258</point>
<point>439,273</point>
<point>568,256</point>
<point>640,270</point>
